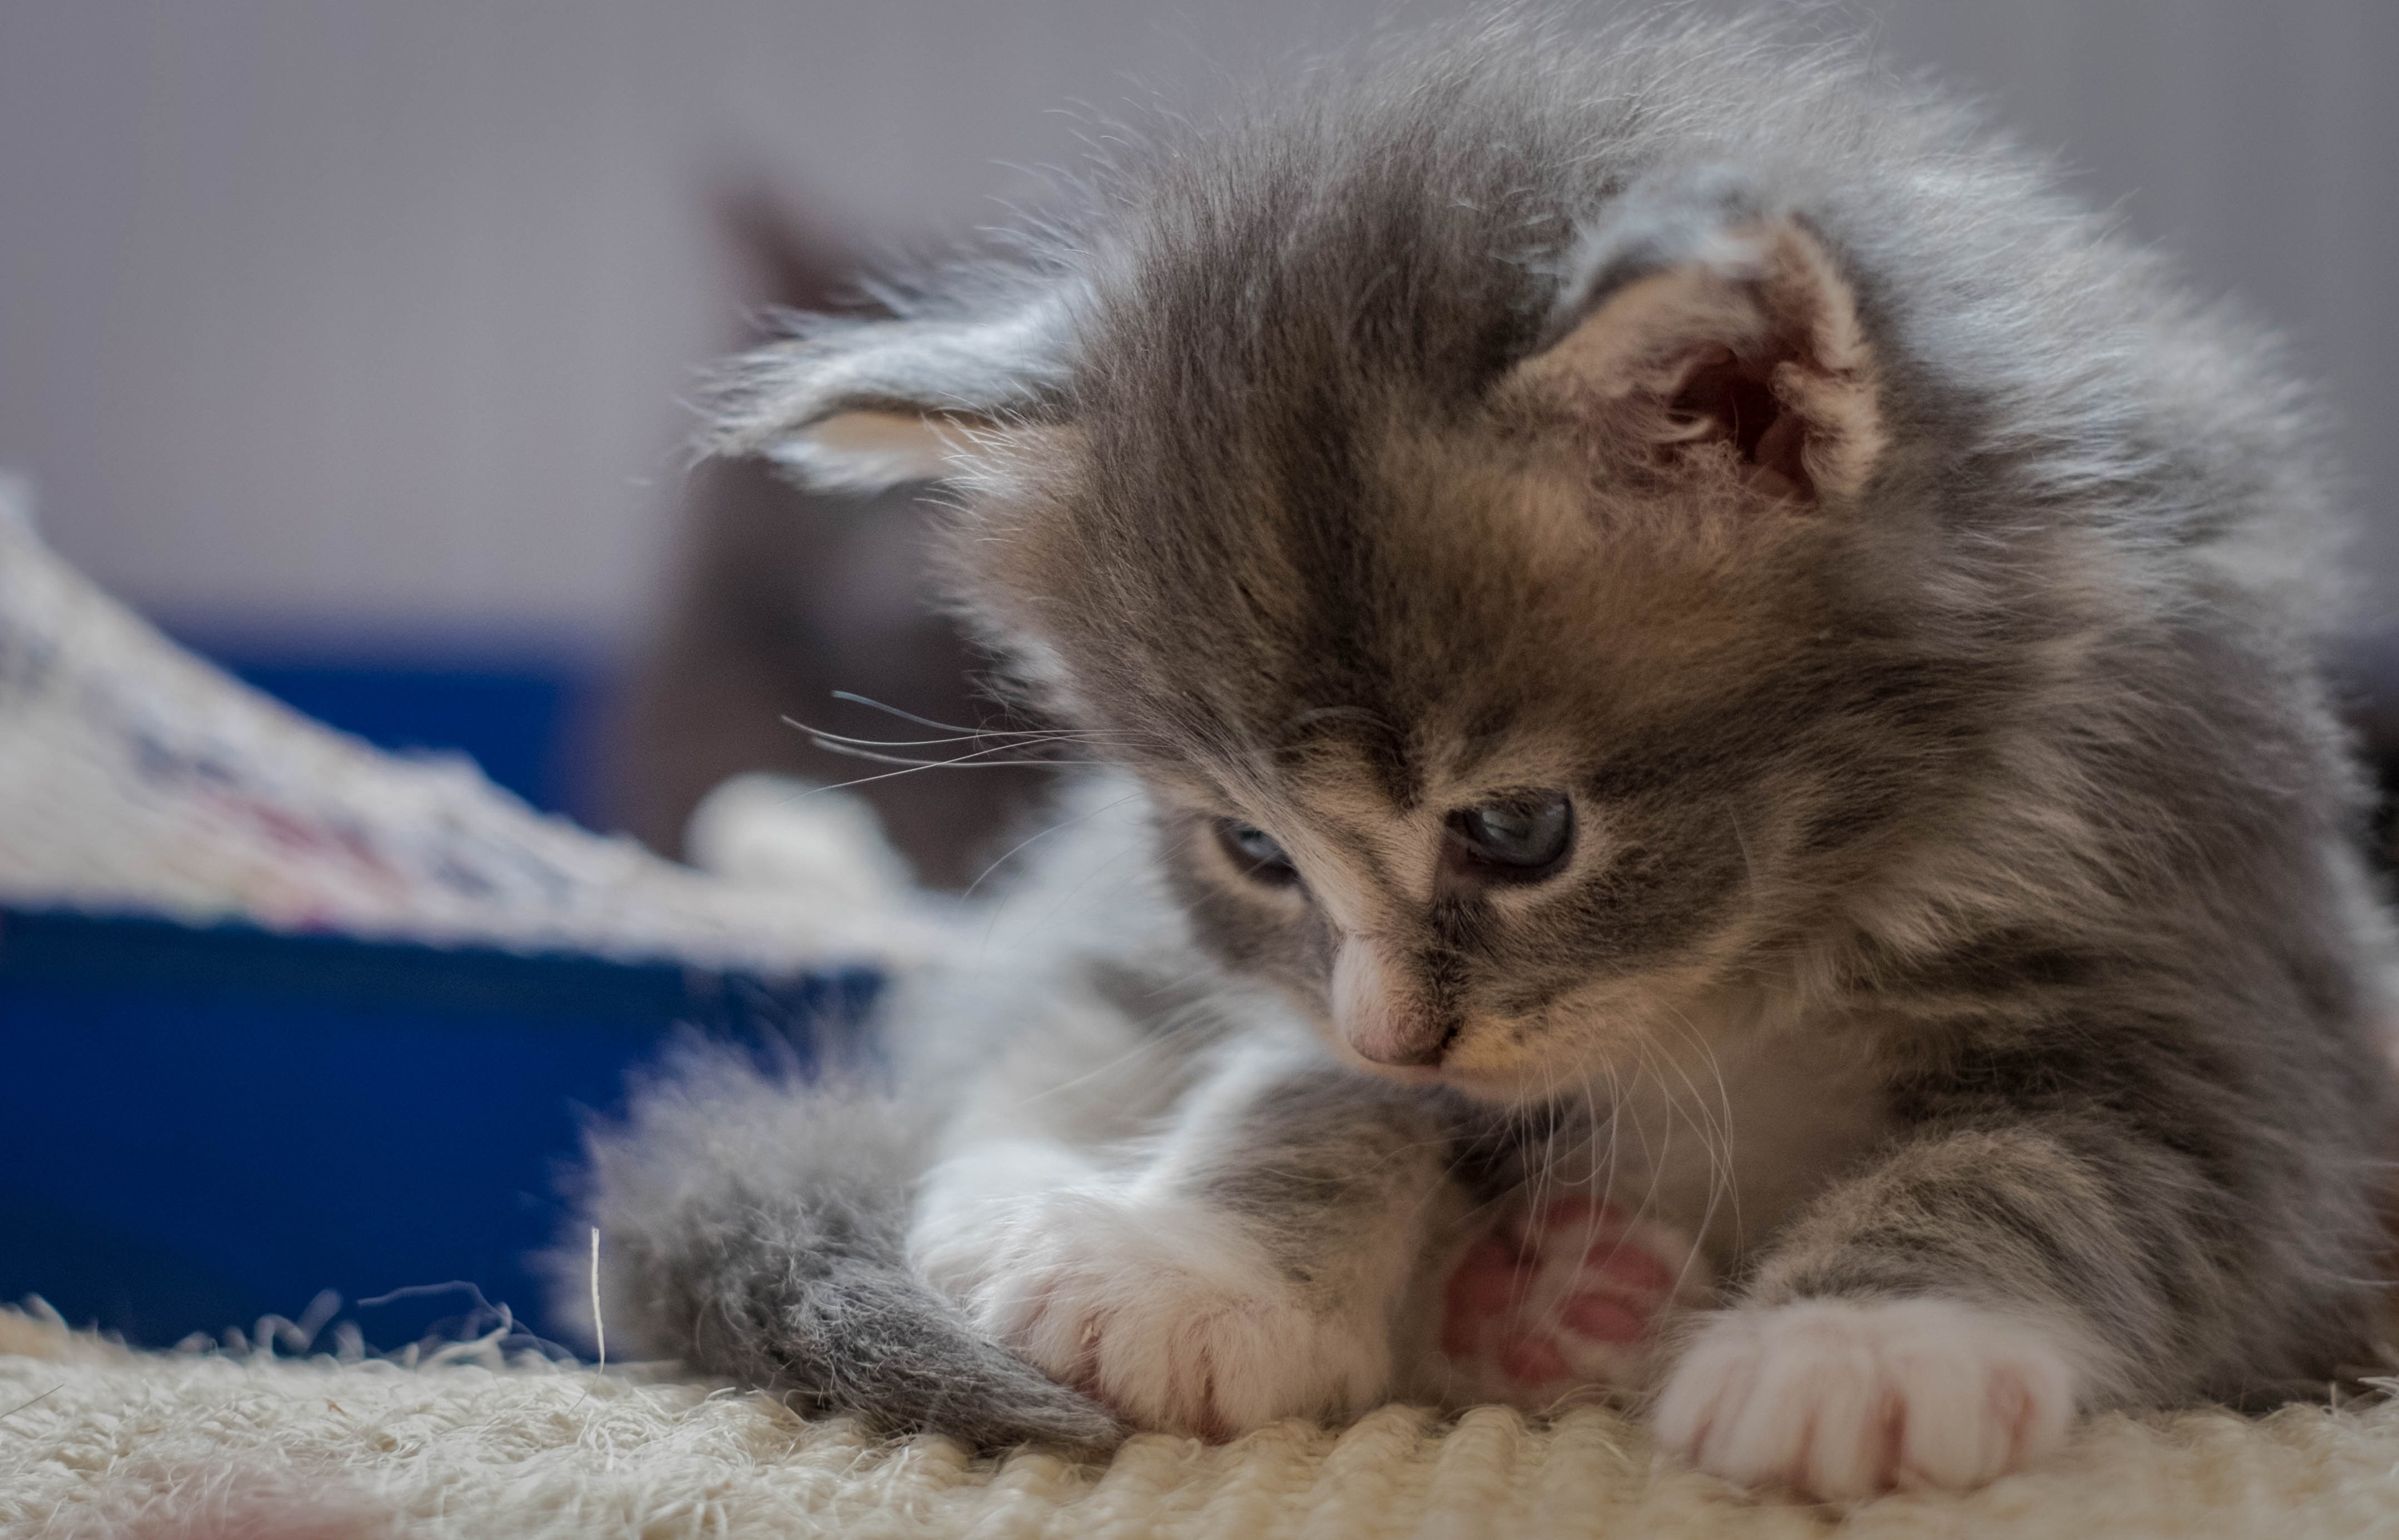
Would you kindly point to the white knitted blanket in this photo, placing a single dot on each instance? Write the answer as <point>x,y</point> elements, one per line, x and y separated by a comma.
<point>137,779</point>
<point>95,1442</point>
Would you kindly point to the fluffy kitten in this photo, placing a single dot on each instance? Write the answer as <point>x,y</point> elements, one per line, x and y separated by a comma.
<point>1714,778</point>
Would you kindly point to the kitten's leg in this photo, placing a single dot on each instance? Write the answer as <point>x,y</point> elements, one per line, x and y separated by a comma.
<point>1941,1318</point>
<point>1249,1269</point>
<point>1563,1296</point>
<point>1923,1325</point>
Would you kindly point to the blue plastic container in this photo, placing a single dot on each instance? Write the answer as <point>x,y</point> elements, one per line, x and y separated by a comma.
<point>200,1127</point>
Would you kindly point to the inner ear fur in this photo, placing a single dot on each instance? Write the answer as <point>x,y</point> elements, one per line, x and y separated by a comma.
<point>1736,351</point>
<point>867,451</point>
<point>861,405</point>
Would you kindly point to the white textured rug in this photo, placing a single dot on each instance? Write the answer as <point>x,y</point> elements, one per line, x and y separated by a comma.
<point>96,1441</point>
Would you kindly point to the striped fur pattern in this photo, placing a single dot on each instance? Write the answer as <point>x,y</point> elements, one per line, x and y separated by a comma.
<point>1905,594</point>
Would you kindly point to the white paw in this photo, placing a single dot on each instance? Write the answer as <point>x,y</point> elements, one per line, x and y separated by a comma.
<point>1159,1309</point>
<point>1841,1400</point>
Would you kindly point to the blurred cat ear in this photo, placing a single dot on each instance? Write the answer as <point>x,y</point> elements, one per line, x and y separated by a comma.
<point>1700,333</point>
<point>862,405</point>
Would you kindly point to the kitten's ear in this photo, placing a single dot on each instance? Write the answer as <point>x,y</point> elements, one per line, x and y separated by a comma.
<point>1700,333</point>
<point>862,405</point>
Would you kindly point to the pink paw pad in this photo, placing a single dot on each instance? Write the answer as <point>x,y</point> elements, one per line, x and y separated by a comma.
<point>1559,1298</point>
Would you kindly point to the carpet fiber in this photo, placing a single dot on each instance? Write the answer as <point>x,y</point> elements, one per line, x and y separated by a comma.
<point>213,1446</point>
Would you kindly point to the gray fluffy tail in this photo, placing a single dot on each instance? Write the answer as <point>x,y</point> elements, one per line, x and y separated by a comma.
<point>752,1227</point>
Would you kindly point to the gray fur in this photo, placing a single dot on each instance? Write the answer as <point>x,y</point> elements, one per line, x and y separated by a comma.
<point>754,1223</point>
<point>2004,778</point>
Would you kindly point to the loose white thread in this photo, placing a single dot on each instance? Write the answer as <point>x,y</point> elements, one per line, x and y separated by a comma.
<point>36,1401</point>
<point>598,1329</point>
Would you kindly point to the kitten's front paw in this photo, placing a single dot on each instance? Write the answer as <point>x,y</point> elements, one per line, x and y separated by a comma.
<point>1161,1310</point>
<point>1842,1399</point>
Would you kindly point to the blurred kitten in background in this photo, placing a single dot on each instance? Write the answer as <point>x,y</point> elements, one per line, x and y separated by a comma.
<point>785,596</point>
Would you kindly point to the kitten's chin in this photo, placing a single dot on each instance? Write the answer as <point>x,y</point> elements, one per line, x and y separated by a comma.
<point>1500,1087</point>
<point>1509,1086</point>
<point>1401,1075</point>
<point>1504,1083</point>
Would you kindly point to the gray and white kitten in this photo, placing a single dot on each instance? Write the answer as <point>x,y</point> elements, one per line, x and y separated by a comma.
<point>1714,781</point>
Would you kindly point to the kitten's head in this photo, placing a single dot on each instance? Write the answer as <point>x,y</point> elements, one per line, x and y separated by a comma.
<point>1481,537</point>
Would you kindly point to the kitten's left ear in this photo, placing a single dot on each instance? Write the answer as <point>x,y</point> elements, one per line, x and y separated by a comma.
<point>862,405</point>
<point>1702,333</point>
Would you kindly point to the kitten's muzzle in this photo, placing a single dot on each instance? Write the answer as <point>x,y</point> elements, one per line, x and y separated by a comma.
<point>1383,1020</point>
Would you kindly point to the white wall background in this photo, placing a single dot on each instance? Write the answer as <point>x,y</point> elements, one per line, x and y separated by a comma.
<point>368,318</point>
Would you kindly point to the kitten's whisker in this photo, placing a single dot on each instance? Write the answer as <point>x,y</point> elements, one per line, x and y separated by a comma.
<point>1656,1160</point>
<point>1542,1175</point>
<point>826,735</point>
<point>963,731</point>
<point>1028,740</point>
<point>871,704</point>
<point>1043,834</point>
<point>1715,1129</point>
<point>1748,864</point>
<point>1721,1183</point>
<point>857,748</point>
<point>1071,893</point>
<point>911,768</point>
<point>1163,1028</point>
<point>978,760</point>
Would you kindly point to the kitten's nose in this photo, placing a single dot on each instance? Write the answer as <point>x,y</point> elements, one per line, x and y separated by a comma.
<point>1383,1022</point>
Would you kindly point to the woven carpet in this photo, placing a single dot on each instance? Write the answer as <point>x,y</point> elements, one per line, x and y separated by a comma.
<point>95,1441</point>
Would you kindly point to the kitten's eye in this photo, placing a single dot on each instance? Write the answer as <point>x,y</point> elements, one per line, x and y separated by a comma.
<point>1261,857</point>
<point>1522,839</point>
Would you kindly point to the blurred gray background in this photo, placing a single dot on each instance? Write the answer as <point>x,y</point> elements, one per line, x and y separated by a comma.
<point>357,330</point>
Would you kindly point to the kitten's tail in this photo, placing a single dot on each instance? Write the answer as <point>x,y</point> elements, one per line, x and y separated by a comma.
<point>752,1227</point>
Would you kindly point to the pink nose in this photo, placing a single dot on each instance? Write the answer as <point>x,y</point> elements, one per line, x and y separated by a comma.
<point>1383,1023</point>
